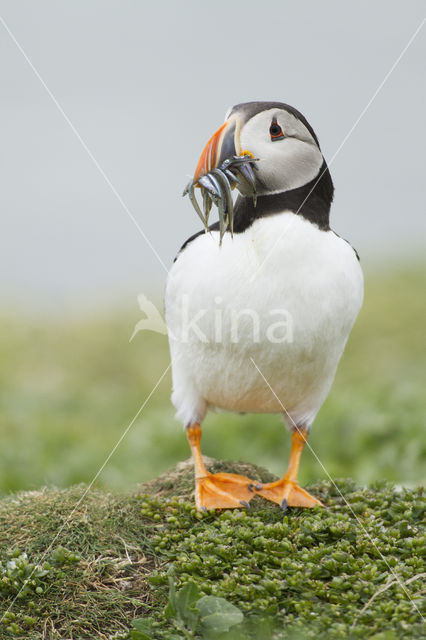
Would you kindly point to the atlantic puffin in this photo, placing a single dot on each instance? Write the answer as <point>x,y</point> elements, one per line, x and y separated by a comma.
<point>259,305</point>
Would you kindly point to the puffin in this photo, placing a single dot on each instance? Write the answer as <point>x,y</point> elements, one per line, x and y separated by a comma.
<point>260,304</point>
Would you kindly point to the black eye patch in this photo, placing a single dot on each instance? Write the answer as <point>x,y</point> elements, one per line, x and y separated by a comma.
<point>275,131</point>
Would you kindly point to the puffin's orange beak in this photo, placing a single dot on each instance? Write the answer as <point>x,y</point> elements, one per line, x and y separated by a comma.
<point>221,167</point>
<point>209,158</point>
<point>223,145</point>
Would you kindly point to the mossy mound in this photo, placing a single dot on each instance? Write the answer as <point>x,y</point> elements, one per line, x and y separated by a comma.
<point>77,565</point>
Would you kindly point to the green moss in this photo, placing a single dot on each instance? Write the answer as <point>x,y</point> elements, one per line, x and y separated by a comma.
<point>340,572</point>
<point>22,580</point>
<point>315,571</point>
<point>104,586</point>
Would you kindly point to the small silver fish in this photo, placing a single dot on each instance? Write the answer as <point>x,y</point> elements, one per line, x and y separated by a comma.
<point>216,188</point>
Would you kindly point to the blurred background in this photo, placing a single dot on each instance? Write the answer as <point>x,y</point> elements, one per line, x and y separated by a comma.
<point>92,215</point>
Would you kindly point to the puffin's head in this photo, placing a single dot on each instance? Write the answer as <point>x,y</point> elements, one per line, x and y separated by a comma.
<point>271,144</point>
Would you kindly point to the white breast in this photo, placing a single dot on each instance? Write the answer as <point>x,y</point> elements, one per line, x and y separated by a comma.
<point>282,294</point>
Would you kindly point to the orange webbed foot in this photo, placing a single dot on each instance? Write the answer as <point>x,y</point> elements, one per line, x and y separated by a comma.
<point>287,493</point>
<point>223,491</point>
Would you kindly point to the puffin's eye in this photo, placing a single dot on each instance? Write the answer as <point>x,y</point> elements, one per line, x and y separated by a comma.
<point>276,131</point>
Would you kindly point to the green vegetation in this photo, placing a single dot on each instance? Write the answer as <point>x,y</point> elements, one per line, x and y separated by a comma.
<point>108,566</point>
<point>68,390</point>
<point>142,564</point>
<point>102,588</point>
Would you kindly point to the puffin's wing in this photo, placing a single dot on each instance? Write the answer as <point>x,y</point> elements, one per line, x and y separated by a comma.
<point>212,227</point>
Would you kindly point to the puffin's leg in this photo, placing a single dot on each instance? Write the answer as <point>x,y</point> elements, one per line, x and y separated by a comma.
<point>286,492</point>
<point>218,490</point>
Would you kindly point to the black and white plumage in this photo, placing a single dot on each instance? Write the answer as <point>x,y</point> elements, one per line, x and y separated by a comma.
<point>282,263</point>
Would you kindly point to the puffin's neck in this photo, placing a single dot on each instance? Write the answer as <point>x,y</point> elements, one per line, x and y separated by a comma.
<point>312,201</point>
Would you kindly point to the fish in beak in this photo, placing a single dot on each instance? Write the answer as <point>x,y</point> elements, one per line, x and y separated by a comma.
<point>222,167</point>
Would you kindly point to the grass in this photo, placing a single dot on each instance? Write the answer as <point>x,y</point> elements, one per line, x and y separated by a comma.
<point>68,390</point>
<point>102,590</point>
<point>85,568</point>
<point>91,564</point>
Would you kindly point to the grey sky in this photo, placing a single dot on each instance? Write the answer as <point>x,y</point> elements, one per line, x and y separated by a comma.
<point>146,84</point>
